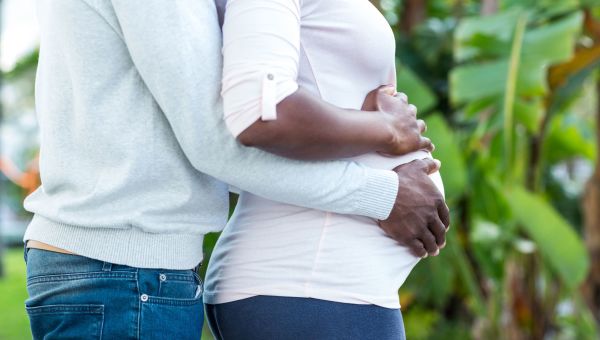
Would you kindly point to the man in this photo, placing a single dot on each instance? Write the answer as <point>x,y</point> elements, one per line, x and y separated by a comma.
<point>134,161</point>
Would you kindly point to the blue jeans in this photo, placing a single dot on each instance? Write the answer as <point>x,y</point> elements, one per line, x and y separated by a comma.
<point>73,297</point>
<point>282,318</point>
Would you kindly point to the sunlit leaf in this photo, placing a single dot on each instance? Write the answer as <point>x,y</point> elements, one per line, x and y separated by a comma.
<point>418,92</point>
<point>497,27</point>
<point>542,47</point>
<point>447,150</point>
<point>556,240</point>
<point>488,247</point>
<point>529,114</point>
<point>568,137</point>
<point>552,43</point>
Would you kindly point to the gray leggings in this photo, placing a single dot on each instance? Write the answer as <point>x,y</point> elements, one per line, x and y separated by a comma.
<point>281,318</point>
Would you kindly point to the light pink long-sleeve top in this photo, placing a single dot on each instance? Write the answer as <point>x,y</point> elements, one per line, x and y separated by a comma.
<point>339,50</point>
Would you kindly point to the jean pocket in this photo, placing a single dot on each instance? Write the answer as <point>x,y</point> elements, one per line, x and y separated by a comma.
<point>167,318</point>
<point>66,321</point>
<point>179,286</point>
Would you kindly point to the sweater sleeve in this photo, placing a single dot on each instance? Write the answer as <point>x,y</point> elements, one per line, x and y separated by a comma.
<point>175,48</point>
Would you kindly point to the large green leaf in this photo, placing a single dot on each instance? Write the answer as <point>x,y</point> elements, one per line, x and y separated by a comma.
<point>489,247</point>
<point>529,113</point>
<point>477,81</point>
<point>432,281</point>
<point>488,79</point>
<point>417,91</point>
<point>553,43</point>
<point>477,35</point>
<point>544,9</point>
<point>542,47</point>
<point>569,136</point>
<point>557,241</point>
<point>448,151</point>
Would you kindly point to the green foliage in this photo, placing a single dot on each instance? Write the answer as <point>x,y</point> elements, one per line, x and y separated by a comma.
<point>14,324</point>
<point>419,93</point>
<point>24,65</point>
<point>569,137</point>
<point>487,77</point>
<point>558,243</point>
<point>419,323</point>
<point>448,152</point>
<point>507,115</point>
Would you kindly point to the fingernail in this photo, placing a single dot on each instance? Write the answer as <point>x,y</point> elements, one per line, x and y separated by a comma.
<point>438,163</point>
<point>426,255</point>
<point>443,245</point>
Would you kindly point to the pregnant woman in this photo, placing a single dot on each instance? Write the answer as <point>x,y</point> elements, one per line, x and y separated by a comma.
<point>287,272</point>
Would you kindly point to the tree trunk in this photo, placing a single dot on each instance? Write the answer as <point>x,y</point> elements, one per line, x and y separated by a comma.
<point>413,13</point>
<point>591,209</point>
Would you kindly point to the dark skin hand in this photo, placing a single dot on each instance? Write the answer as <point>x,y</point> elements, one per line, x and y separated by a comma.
<point>420,217</point>
<point>308,128</point>
<point>408,132</point>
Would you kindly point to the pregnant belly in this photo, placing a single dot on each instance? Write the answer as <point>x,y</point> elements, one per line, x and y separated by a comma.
<point>378,161</point>
<point>344,258</point>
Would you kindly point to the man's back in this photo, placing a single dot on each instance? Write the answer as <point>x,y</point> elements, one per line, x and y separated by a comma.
<point>109,157</point>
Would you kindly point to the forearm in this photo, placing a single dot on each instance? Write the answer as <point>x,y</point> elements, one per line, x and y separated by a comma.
<point>187,92</point>
<point>308,128</point>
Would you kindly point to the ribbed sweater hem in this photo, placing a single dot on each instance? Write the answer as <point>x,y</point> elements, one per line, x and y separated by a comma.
<point>378,196</point>
<point>126,246</point>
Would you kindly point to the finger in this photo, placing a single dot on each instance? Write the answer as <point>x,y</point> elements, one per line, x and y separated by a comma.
<point>444,213</point>
<point>422,126</point>
<point>429,242</point>
<point>418,249</point>
<point>403,97</point>
<point>412,109</point>
<point>387,89</point>
<point>426,144</point>
<point>429,165</point>
<point>438,229</point>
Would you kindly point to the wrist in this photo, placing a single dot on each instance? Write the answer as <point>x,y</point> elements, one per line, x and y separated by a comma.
<point>386,136</point>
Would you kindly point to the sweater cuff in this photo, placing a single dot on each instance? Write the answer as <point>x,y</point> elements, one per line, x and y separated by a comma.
<point>378,195</point>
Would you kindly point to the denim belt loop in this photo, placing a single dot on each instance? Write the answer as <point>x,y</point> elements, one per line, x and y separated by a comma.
<point>106,267</point>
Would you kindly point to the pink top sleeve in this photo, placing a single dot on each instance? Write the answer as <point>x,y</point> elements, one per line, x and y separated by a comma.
<point>261,44</point>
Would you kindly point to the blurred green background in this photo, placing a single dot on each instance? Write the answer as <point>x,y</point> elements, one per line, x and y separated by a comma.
<point>509,90</point>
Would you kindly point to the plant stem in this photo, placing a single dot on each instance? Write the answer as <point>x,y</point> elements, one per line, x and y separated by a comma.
<point>510,91</point>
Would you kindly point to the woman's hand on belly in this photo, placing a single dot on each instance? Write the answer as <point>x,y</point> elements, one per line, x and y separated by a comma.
<point>405,130</point>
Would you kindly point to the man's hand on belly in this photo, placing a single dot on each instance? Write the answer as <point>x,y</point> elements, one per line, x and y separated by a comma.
<point>420,217</point>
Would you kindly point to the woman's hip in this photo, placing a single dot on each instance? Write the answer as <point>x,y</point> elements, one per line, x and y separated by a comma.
<point>271,317</point>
